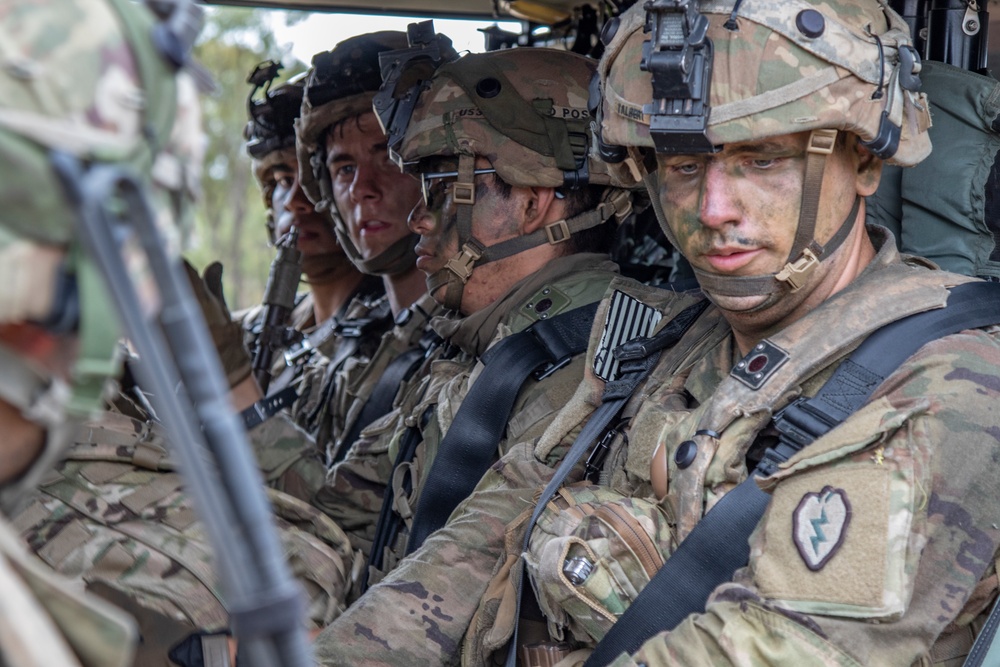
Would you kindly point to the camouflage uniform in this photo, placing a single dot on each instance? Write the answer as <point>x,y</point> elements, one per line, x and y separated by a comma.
<point>48,623</point>
<point>450,122</point>
<point>333,401</point>
<point>114,517</point>
<point>905,557</point>
<point>356,486</point>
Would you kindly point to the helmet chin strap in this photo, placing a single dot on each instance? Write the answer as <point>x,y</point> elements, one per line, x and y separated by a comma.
<point>457,270</point>
<point>806,253</point>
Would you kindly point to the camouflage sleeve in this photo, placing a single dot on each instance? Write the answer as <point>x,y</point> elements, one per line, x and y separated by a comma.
<point>879,544</point>
<point>419,614</point>
<point>353,492</point>
<point>288,458</point>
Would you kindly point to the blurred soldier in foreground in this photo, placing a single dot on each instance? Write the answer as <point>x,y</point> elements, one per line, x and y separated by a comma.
<point>514,238</point>
<point>97,83</point>
<point>79,92</point>
<point>877,543</point>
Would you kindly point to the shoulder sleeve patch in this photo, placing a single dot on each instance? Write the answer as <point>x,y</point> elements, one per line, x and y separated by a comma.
<point>836,539</point>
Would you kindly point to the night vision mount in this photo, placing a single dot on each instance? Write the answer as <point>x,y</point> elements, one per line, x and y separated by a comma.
<point>678,54</point>
<point>405,74</point>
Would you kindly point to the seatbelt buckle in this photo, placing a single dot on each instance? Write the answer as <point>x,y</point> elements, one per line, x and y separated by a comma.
<point>549,369</point>
<point>802,421</point>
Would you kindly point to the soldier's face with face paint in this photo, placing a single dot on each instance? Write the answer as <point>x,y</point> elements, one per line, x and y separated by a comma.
<point>736,212</point>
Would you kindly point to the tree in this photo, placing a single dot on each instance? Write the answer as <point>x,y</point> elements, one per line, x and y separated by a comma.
<point>229,223</point>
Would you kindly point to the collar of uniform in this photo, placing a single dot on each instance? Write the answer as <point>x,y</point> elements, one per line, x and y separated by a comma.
<point>474,333</point>
<point>714,366</point>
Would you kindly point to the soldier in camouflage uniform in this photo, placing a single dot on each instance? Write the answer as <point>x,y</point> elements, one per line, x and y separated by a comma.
<point>907,579</point>
<point>336,289</point>
<point>346,173</point>
<point>541,239</point>
<point>113,517</point>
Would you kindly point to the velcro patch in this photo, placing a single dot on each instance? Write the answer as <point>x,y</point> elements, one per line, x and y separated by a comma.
<point>834,540</point>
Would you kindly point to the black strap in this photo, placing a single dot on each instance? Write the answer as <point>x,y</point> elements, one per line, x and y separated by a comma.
<point>267,407</point>
<point>389,521</point>
<point>352,332</point>
<point>636,359</point>
<point>379,403</point>
<point>470,445</point>
<point>719,544</point>
<point>981,648</point>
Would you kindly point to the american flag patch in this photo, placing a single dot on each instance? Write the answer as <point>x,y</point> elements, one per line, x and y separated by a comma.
<point>627,319</point>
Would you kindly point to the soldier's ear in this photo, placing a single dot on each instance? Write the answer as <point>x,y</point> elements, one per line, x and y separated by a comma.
<point>868,170</point>
<point>541,208</point>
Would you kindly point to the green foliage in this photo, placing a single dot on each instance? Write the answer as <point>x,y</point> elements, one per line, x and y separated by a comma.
<point>229,224</point>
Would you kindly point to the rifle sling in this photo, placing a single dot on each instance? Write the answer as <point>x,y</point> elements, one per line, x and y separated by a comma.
<point>719,544</point>
<point>470,445</point>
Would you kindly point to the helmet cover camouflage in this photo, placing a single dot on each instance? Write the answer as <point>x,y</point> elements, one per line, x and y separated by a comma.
<point>772,77</point>
<point>525,110</point>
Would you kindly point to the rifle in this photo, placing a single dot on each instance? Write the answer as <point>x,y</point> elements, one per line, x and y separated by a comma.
<point>279,300</point>
<point>180,366</point>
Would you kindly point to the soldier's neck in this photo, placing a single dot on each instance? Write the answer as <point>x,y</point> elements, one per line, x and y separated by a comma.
<point>403,289</point>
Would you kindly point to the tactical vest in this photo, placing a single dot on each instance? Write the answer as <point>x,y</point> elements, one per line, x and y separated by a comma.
<point>587,561</point>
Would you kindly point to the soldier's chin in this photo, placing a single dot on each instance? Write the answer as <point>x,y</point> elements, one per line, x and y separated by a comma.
<point>739,304</point>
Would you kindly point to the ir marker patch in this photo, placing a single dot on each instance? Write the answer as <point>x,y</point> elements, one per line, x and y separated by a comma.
<point>819,526</point>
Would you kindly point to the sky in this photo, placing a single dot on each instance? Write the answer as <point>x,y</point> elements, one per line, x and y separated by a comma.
<point>322,31</point>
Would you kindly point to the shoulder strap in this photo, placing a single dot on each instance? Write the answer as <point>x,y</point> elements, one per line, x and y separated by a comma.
<point>389,521</point>
<point>379,403</point>
<point>470,445</point>
<point>719,544</point>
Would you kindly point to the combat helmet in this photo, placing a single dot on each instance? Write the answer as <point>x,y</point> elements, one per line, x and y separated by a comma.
<point>270,130</point>
<point>524,110</point>
<point>96,82</point>
<point>341,85</point>
<point>758,69</point>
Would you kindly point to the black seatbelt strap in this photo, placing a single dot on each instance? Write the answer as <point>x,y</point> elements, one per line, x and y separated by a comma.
<point>470,445</point>
<point>389,521</point>
<point>984,650</point>
<point>719,543</point>
<point>636,358</point>
<point>380,401</point>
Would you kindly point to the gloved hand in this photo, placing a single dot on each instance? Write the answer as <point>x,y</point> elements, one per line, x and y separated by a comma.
<point>226,334</point>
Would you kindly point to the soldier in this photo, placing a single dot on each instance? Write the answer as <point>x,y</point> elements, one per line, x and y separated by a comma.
<point>898,579</point>
<point>531,231</point>
<point>46,378</point>
<point>345,170</point>
<point>333,282</point>
<point>113,518</point>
